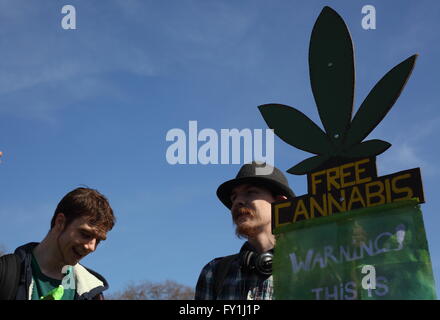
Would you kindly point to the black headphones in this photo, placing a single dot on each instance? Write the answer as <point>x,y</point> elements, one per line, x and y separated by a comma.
<point>258,262</point>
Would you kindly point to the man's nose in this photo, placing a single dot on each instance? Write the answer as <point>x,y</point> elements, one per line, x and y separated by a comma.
<point>90,246</point>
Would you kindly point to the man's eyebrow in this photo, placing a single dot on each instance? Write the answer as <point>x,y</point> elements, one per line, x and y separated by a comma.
<point>245,188</point>
<point>101,236</point>
<point>96,234</point>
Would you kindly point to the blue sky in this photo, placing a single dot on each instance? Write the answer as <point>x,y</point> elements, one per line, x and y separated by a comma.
<point>92,106</point>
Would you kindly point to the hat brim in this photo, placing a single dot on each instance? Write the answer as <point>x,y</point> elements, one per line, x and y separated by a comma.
<point>225,189</point>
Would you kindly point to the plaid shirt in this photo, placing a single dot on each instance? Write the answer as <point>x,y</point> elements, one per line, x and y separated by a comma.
<point>238,284</point>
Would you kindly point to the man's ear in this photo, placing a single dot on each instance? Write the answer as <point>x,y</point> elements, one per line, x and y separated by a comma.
<point>60,221</point>
<point>280,197</point>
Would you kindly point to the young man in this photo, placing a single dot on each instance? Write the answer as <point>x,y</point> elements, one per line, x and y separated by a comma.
<point>81,220</point>
<point>248,274</point>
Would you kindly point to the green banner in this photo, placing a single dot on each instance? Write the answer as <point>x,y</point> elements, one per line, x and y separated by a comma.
<point>324,258</point>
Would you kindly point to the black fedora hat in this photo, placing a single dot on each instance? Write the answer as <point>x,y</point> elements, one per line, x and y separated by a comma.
<point>256,173</point>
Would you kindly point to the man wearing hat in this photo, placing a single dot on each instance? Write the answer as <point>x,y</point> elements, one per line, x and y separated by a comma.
<point>248,274</point>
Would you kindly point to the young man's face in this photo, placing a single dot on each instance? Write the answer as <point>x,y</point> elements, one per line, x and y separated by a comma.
<point>251,209</point>
<point>77,240</point>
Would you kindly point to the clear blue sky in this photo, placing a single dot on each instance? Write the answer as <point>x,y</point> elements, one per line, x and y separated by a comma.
<point>93,105</point>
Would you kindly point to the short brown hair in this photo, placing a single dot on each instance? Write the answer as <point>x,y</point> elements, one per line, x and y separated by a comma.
<point>86,202</point>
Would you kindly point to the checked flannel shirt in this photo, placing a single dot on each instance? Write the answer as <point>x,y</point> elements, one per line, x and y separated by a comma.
<point>238,284</point>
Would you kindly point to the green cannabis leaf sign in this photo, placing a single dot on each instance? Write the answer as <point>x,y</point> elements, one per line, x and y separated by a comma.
<point>332,77</point>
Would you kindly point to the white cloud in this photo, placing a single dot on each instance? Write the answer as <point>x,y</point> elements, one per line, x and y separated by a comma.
<point>44,68</point>
<point>413,147</point>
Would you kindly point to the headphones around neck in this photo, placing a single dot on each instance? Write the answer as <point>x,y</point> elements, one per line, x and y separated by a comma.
<point>258,262</point>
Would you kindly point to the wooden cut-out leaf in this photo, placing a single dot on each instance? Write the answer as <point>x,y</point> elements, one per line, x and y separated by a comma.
<point>368,148</point>
<point>308,165</point>
<point>332,75</point>
<point>332,78</point>
<point>379,101</point>
<point>295,128</point>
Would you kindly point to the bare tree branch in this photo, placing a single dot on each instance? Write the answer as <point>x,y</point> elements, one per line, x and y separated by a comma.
<point>168,290</point>
<point>2,250</point>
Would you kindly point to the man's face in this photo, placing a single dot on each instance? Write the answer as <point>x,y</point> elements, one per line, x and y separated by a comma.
<point>77,240</point>
<point>251,209</point>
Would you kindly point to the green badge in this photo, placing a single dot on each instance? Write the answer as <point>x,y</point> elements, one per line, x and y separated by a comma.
<point>55,294</point>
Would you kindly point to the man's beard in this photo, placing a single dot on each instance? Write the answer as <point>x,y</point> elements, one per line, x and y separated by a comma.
<point>244,230</point>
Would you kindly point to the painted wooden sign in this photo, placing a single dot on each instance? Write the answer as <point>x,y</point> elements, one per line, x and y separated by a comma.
<point>352,185</point>
<point>342,175</point>
<point>351,218</point>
